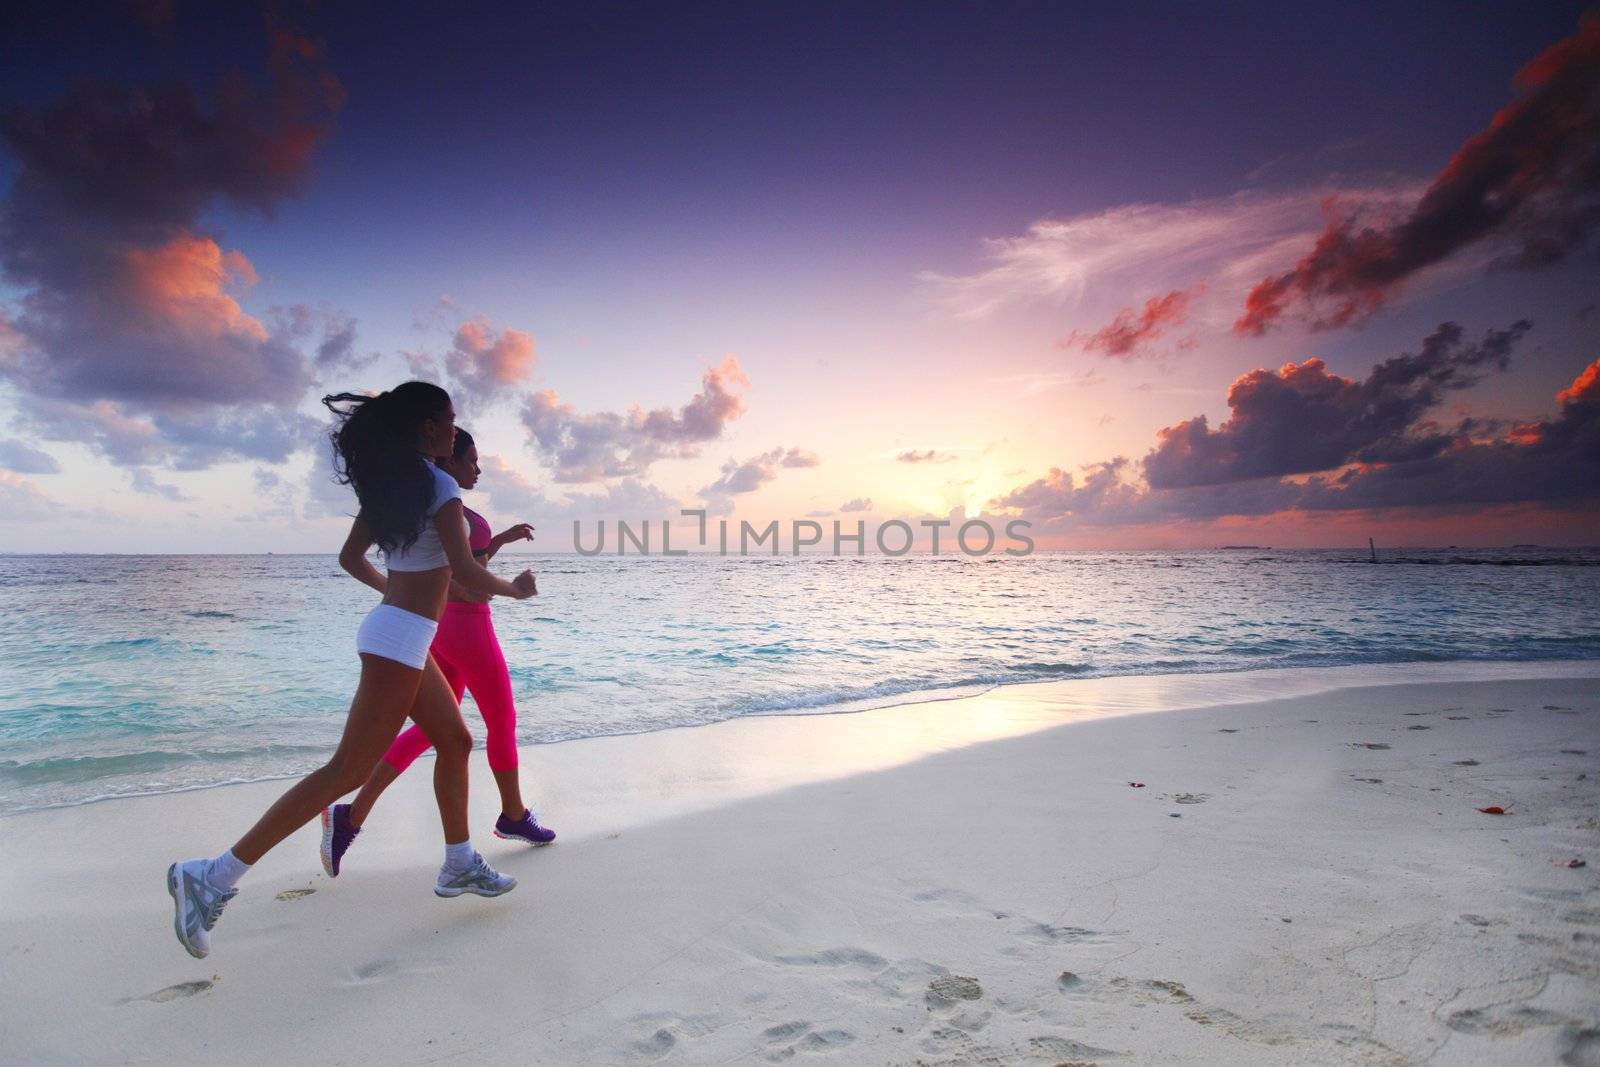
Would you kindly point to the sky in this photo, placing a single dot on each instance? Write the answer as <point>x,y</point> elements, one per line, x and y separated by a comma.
<point>1141,276</point>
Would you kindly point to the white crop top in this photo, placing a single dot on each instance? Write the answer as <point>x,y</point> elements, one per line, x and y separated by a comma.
<point>427,553</point>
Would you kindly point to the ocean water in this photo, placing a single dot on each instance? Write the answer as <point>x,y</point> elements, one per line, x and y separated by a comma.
<point>124,675</point>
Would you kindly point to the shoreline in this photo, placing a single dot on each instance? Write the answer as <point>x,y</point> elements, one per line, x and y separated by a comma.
<point>1135,693</point>
<point>1302,878</point>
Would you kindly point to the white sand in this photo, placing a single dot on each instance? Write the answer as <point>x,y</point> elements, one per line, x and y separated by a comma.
<point>961,882</point>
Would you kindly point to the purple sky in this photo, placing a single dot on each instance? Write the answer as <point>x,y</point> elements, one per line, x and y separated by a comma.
<point>918,259</point>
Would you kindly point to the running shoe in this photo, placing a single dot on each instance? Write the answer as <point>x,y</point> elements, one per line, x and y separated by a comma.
<point>526,829</point>
<point>337,833</point>
<point>197,903</point>
<point>480,878</point>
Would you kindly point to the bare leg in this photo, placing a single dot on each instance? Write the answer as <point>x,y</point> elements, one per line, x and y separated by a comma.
<point>382,777</point>
<point>436,711</point>
<point>511,804</point>
<point>387,689</point>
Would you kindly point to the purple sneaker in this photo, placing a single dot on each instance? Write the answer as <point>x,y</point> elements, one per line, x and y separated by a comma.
<point>337,833</point>
<point>526,829</point>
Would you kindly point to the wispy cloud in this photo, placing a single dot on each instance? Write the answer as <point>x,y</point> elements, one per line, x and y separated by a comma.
<point>1226,242</point>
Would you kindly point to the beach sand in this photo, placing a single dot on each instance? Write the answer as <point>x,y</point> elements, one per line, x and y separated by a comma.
<point>1303,877</point>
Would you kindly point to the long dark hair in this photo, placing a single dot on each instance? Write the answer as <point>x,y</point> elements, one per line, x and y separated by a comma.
<point>375,453</point>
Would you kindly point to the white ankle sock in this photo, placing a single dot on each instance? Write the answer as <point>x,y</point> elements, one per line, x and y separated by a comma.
<point>459,857</point>
<point>225,871</point>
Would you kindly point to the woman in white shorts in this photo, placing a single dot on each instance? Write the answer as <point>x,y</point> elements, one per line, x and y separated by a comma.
<point>412,511</point>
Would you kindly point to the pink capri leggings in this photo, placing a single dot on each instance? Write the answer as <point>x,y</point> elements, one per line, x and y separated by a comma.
<point>468,653</point>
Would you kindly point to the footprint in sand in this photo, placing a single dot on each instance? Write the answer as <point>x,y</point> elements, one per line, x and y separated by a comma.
<point>1157,989</point>
<point>1065,1050</point>
<point>295,894</point>
<point>1047,934</point>
<point>826,1040</point>
<point>656,1045</point>
<point>1466,763</point>
<point>1574,752</point>
<point>1191,798</point>
<point>1458,718</point>
<point>1503,1021</point>
<point>784,1031</point>
<point>181,991</point>
<point>837,957</point>
<point>1236,1026</point>
<point>949,989</point>
<point>1581,1048</point>
<point>1069,981</point>
<point>788,1038</point>
<point>373,970</point>
<point>1556,707</point>
<point>1376,746</point>
<point>1371,781</point>
<point>952,1045</point>
<point>1227,731</point>
<point>1163,991</point>
<point>1419,727</point>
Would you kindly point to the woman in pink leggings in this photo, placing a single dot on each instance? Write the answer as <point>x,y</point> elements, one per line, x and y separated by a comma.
<point>468,653</point>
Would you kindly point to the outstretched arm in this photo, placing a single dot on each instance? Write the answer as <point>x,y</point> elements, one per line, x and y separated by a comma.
<point>467,571</point>
<point>520,532</point>
<point>353,557</point>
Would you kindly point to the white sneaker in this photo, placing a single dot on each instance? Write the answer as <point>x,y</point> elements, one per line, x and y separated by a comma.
<point>197,904</point>
<point>480,878</point>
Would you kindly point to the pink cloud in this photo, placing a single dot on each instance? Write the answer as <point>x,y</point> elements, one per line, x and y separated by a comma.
<point>1529,179</point>
<point>124,300</point>
<point>1132,333</point>
<point>482,364</point>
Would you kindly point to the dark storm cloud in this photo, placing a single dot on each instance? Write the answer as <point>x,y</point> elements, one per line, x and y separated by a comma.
<point>1530,180</point>
<point>1302,418</point>
<point>129,312</point>
<point>1351,445</point>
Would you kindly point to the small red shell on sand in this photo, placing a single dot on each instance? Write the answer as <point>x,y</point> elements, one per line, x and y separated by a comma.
<point>1571,863</point>
<point>1137,785</point>
<point>1493,810</point>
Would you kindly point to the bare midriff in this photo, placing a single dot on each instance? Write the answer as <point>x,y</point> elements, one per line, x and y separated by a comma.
<point>419,592</point>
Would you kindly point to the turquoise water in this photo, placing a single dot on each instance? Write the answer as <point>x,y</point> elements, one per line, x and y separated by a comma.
<point>122,675</point>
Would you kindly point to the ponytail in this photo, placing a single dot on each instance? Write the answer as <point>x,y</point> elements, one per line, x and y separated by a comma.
<point>375,453</point>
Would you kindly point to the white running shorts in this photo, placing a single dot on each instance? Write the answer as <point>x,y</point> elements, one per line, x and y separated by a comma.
<point>397,634</point>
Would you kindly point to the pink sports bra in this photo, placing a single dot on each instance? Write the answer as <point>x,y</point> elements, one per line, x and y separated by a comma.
<point>479,535</point>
